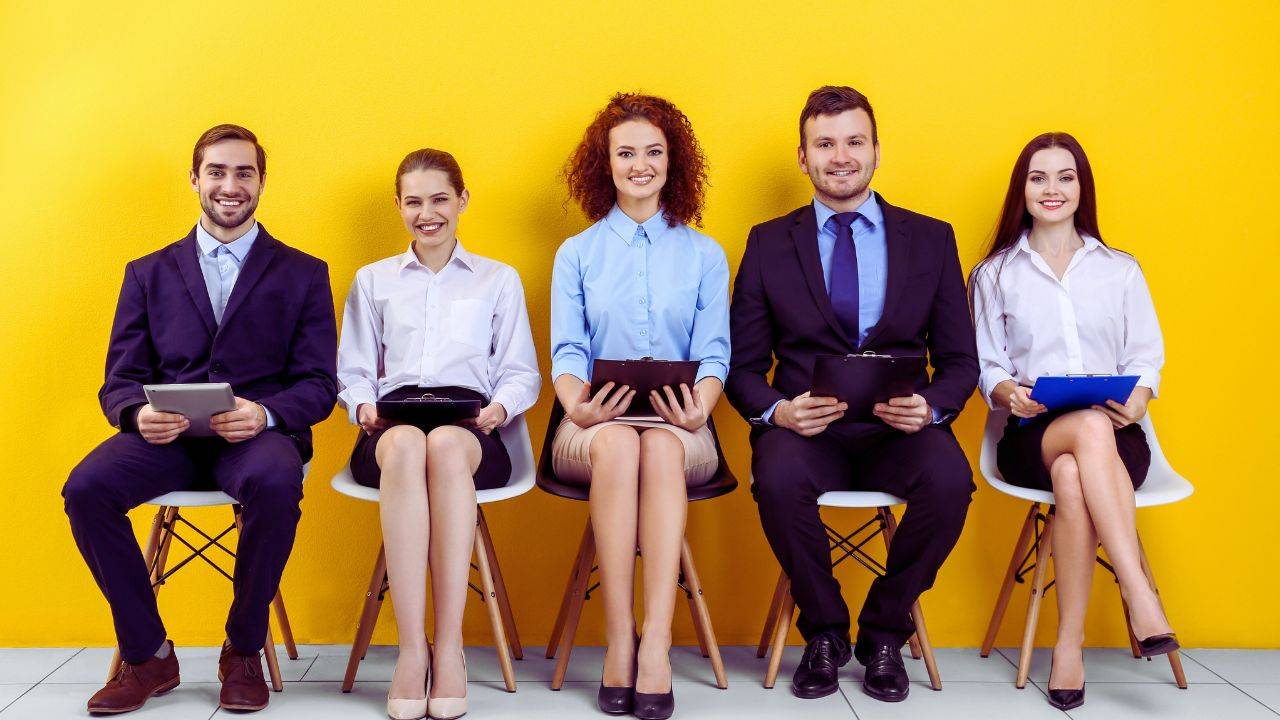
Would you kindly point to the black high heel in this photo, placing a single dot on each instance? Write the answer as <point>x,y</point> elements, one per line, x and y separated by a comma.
<point>1065,699</point>
<point>654,706</point>
<point>617,700</point>
<point>1161,644</point>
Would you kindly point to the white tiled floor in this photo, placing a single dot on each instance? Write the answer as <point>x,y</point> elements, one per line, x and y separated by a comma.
<point>1224,684</point>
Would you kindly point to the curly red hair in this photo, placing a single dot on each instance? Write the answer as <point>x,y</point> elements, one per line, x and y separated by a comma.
<point>590,178</point>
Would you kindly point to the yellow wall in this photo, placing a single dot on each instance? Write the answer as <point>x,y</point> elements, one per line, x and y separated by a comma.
<point>1176,104</point>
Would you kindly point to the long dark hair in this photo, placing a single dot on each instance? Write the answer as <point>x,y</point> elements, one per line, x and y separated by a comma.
<point>1014,217</point>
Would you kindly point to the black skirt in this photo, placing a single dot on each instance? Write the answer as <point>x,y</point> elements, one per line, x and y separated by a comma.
<point>495,465</point>
<point>1021,461</point>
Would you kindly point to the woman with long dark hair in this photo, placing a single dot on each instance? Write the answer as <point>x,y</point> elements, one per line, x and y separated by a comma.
<point>639,282</point>
<point>1050,298</point>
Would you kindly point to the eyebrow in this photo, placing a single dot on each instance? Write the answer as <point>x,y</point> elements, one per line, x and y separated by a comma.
<point>406,198</point>
<point>828,137</point>
<point>220,166</point>
<point>1046,172</point>
<point>650,145</point>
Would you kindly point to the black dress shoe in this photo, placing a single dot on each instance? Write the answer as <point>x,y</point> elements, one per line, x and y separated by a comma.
<point>818,674</point>
<point>886,676</point>
<point>654,706</point>
<point>1158,645</point>
<point>1066,699</point>
<point>615,700</point>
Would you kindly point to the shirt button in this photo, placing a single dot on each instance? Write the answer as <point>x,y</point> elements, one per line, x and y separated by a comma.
<point>641,301</point>
<point>644,332</point>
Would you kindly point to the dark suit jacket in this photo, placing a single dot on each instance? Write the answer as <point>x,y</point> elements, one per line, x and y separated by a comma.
<point>781,310</point>
<point>277,344</point>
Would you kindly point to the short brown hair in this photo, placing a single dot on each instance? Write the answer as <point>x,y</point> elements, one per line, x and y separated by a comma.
<point>590,178</point>
<point>833,100</point>
<point>429,159</point>
<point>217,134</point>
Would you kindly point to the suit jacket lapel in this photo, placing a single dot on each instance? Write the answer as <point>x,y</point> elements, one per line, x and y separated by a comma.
<point>255,263</point>
<point>804,233</point>
<point>186,254</point>
<point>899,250</point>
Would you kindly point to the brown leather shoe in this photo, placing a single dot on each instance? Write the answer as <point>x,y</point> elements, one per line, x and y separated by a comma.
<point>243,687</point>
<point>133,685</point>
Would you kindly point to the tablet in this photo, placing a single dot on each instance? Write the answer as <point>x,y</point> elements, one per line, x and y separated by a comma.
<point>643,376</point>
<point>197,402</point>
<point>866,379</point>
<point>428,412</point>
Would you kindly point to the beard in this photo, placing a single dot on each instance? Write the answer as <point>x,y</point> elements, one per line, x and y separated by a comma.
<point>218,215</point>
<point>856,184</point>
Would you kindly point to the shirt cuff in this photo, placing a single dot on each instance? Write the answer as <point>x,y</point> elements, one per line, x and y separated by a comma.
<point>511,403</point>
<point>352,398</point>
<point>576,366</point>
<point>988,381</point>
<point>713,368</point>
<point>768,414</point>
<point>1150,379</point>
<point>271,419</point>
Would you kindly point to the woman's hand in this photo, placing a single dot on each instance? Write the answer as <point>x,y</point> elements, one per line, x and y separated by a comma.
<point>490,417</point>
<point>1018,399</point>
<point>690,416</point>
<point>1130,412</point>
<point>367,417</point>
<point>588,410</point>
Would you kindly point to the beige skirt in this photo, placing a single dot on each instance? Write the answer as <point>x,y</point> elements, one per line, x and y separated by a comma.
<point>571,450</point>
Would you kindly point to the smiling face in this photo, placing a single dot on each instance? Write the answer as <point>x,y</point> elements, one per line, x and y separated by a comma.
<point>840,157</point>
<point>430,206</point>
<point>229,184</point>
<point>1052,189</point>
<point>638,160</point>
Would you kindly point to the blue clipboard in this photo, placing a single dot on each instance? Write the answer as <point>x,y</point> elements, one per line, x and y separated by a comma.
<point>1074,392</point>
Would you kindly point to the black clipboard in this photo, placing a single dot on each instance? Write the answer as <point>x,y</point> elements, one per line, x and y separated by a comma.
<point>428,411</point>
<point>644,375</point>
<point>864,380</point>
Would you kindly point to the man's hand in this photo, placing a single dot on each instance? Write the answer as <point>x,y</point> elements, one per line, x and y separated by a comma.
<point>246,421</point>
<point>690,416</point>
<point>159,428</point>
<point>588,410</point>
<point>1129,413</point>
<point>808,416</point>
<point>908,414</point>
<point>490,417</point>
<point>367,417</point>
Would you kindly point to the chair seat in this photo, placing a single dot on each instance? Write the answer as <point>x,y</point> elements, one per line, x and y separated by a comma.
<point>202,498</point>
<point>858,499</point>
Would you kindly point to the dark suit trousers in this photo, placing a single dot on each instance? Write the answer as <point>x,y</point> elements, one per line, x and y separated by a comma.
<point>927,469</point>
<point>263,474</point>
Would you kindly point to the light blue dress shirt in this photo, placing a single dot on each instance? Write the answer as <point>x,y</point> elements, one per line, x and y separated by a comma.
<point>220,264</point>
<point>622,291</point>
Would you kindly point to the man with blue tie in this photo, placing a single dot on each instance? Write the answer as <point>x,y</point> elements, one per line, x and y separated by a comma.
<point>227,303</point>
<point>851,273</point>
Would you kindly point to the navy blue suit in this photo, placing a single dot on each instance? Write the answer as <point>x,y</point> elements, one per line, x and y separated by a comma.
<point>276,345</point>
<point>782,313</point>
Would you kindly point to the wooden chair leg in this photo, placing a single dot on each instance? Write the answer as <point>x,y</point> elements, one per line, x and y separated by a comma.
<point>553,642</point>
<point>273,663</point>
<point>573,611</point>
<point>1044,551</point>
<point>495,612</point>
<point>286,631</point>
<point>890,525</point>
<point>1010,576</point>
<point>920,646</point>
<point>148,556</point>
<point>702,614</point>
<point>368,619</point>
<point>786,615</point>
<point>770,620</point>
<point>504,602</point>
<point>1175,659</point>
<point>697,627</point>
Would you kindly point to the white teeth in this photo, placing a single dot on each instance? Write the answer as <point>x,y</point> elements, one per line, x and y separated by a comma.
<point>430,227</point>
<point>229,203</point>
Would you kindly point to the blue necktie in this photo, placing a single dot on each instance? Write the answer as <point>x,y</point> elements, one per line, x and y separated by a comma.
<point>844,275</point>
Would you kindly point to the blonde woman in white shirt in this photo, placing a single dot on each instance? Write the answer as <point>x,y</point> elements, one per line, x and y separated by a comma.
<point>437,319</point>
<point>1051,298</point>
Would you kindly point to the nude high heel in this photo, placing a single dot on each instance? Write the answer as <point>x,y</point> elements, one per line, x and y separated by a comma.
<point>448,708</point>
<point>410,709</point>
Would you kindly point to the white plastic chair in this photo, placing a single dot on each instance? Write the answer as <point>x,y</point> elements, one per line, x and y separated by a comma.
<point>164,529</point>
<point>777,623</point>
<point>515,436</point>
<point>1033,548</point>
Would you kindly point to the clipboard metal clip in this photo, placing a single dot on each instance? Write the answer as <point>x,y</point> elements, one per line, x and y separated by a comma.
<point>868,354</point>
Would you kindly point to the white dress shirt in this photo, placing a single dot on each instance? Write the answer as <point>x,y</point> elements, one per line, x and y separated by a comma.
<point>1098,318</point>
<point>465,326</point>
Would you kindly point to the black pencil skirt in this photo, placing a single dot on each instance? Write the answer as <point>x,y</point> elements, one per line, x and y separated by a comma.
<point>1021,462</point>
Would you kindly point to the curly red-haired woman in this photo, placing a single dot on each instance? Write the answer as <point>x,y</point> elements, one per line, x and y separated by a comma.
<point>638,283</point>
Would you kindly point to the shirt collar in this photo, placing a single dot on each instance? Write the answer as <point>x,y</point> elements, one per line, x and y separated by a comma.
<point>625,227</point>
<point>869,209</point>
<point>1090,243</point>
<point>460,255</point>
<point>238,247</point>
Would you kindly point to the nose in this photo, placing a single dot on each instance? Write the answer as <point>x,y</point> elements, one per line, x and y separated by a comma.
<point>843,154</point>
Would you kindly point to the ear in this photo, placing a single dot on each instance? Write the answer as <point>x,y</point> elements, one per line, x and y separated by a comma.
<point>463,200</point>
<point>195,180</point>
<point>877,165</point>
<point>802,160</point>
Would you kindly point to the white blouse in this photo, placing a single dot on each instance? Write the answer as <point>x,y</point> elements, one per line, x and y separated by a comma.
<point>1098,319</point>
<point>465,326</point>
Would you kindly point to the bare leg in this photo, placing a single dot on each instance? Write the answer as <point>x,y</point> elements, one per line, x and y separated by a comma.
<point>1075,545</point>
<point>453,454</point>
<point>663,507</point>
<point>615,460</point>
<point>1108,493</point>
<point>402,456</point>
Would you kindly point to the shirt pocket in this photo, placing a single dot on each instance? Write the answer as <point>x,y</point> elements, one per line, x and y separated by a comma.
<point>470,323</point>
